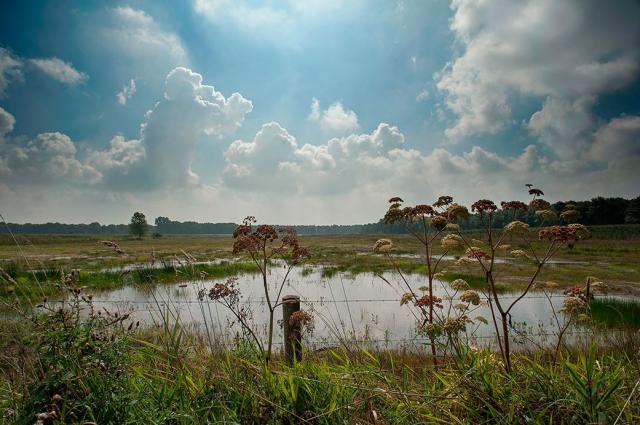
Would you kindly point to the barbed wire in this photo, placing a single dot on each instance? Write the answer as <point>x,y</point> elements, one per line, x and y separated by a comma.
<point>320,301</point>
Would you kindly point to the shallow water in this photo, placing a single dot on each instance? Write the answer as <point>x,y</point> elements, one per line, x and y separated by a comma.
<point>345,308</point>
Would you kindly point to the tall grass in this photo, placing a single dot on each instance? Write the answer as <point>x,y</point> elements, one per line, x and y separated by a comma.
<point>616,312</point>
<point>72,370</point>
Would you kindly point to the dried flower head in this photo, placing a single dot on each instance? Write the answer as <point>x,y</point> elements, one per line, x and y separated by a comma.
<point>563,234</point>
<point>427,300</point>
<point>452,242</point>
<point>422,209</point>
<point>456,212</point>
<point>514,205</point>
<point>302,320</point>
<point>395,199</point>
<point>406,297</point>
<point>477,253</point>
<point>454,325</point>
<point>460,285</point>
<point>438,222</point>
<point>393,215</point>
<point>470,296</point>
<point>580,230</point>
<point>536,192</point>
<point>519,253</point>
<point>433,330</point>
<point>443,201</point>
<point>547,215</point>
<point>383,246</point>
<point>570,216</point>
<point>484,206</point>
<point>222,290</point>
<point>539,204</point>
<point>573,305</point>
<point>517,227</point>
<point>453,227</point>
<point>464,261</point>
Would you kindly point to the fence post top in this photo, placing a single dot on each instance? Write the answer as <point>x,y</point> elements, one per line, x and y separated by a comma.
<point>290,299</point>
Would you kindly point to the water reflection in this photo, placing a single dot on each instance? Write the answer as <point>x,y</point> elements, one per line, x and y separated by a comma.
<point>345,307</point>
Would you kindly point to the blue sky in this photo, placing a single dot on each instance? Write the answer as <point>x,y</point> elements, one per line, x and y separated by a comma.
<point>107,107</point>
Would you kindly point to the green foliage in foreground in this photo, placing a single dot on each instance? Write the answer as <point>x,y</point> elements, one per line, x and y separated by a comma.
<point>104,370</point>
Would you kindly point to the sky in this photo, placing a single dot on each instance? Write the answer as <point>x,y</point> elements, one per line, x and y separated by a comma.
<point>311,111</point>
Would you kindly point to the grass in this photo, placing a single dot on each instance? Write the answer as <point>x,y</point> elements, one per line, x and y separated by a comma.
<point>101,371</point>
<point>43,283</point>
<point>615,312</point>
<point>612,255</point>
<point>106,369</point>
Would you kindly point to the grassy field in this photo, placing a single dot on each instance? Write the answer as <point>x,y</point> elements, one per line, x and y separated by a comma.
<point>612,255</point>
<point>64,366</point>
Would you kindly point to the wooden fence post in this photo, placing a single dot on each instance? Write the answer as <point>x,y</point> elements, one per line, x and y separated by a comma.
<point>292,331</point>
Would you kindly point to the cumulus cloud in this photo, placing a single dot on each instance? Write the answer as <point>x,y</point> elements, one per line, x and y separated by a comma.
<point>45,160</point>
<point>373,166</point>
<point>334,119</point>
<point>121,158</point>
<point>570,50</point>
<point>10,70</point>
<point>59,70</point>
<point>564,125</point>
<point>127,92</point>
<point>190,113</point>
<point>7,121</point>
<point>618,140</point>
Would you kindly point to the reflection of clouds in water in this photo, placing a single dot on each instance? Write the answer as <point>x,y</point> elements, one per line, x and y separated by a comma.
<point>343,306</point>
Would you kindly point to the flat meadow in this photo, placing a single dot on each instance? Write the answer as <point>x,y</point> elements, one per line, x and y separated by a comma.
<point>175,329</point>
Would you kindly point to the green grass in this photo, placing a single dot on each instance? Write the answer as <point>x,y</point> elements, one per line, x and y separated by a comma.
<point>93,370</point>
<point>36,285</point>
<point>612,255</point>
<point>615,312</point>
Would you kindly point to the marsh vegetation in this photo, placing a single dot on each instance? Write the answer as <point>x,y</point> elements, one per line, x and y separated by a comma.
<point>513,325</point>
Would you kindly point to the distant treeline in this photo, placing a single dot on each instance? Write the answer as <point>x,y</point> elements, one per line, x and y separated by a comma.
<point>597,211</point>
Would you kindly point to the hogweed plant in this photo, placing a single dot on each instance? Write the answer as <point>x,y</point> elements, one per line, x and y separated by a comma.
<point>486,253</point>
<point>427,223</point>
<point>263,244</point>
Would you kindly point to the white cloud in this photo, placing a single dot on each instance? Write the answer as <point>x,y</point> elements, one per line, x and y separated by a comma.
<point>48,159</point>
<point>59,70</point>
<point>569,50</point>
<point>361,170</point>
<point>563,125</point>
<point>10,70</point>
<point>7,121</point>
<point>131,40</point>
<point>335,119</point>
<point>127,92</point>
<point>190,113</point>
<point>122,157</point>
<point>422,96</point>
<point>618,140</point>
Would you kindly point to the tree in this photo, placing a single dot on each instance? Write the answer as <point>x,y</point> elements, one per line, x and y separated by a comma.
<point>138,226</point>
<point>632,215</point>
